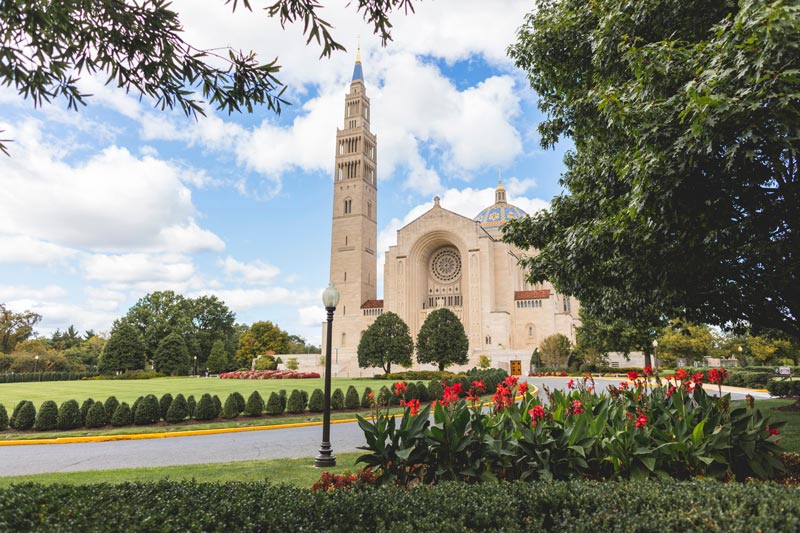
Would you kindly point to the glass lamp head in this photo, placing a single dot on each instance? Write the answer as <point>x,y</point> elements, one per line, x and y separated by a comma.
<point>331,296</point>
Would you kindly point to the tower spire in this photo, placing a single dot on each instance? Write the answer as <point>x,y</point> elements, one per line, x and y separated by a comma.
<point>500,191</point>
<point>358,54</point>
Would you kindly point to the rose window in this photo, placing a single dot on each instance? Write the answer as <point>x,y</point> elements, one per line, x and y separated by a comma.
<point>446,265</point>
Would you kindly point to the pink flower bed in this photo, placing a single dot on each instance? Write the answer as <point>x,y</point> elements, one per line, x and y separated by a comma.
<point>268,374</point>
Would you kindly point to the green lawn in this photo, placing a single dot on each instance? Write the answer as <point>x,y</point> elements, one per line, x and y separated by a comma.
<point>299,472</point>
<point>790,433</point>
<point>129,390</point>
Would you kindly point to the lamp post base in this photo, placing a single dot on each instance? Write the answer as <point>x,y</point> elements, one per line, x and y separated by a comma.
<point>325,459</point>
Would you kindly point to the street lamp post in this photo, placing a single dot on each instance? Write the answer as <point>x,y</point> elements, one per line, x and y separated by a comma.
<point>326,458</point>
<point>655,355</point>
<point>35,363</point>
<point>740,353</point>
<point>194,370</point>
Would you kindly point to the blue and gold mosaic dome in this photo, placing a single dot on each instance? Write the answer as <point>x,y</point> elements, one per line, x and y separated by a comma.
<point>501,212</point>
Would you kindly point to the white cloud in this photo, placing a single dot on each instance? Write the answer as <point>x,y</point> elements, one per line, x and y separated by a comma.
<point>242,299</point>
<point>12,292</point>
<point>138,268</point>
<point>312,316</point>
<point>24,249</point>
<point>254,272</point>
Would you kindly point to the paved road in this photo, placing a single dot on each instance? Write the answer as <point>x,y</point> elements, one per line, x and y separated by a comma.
<point>272,444</point>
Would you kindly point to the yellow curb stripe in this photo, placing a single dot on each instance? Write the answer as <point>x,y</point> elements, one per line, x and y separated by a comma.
<point>192,433</point>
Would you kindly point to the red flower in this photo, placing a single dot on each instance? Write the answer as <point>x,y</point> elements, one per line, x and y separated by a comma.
<point>537,413</point>
<point>570,384</point>
<point>413,405</point>
<point>590,388</point>
<point>772,431</point>
<point>648,370</point>
<point>502,397</point>
<point>523,387</point>
<point>633,375</point>
<point>671,391</point>
<point>400,387</point>
<point>576,407</point>
<point>717,375</point>
<point>478,385</point>
<point>681,374</point>
<point>623,385</point>
<point>641,421</point>
<point>450,394</point>
<point>511,381</point>
<point>629,415</point>
<point>371,396</point>
<point>697,378</point>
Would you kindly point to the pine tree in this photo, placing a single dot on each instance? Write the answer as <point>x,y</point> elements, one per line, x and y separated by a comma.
<point>47,417</point>
<point>124,350</point>
<point>231,407</point>
<point>351,400</point>
<point>219,360</point>
<point>274,404</point>
<point>69,415</point>
<point>135,405</point>
<point>240,403</point>
<point>255,405</point>
<point>178,410</point>
<point>96,417</point>
<point>172,356</point>
<point>122,415</point>
<point>422,392</point>
<point>217,406</point>
<point>191,405</point>
<point>284,399</point>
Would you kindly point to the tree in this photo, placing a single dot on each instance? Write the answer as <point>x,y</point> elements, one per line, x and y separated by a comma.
<point>259,339</point>
<point>211,321</point>
<point>15,327</point>
<point>386,341</point>
<point>442,340</point>
<point>683,192</point>
<point>172,356</point>
<point>124,350</point>
<point>598,336</point>
<point>158,315</point>
<point>686,341</point>
<point>219,360</point>
<point>555,350</point>
<point>140,47</point>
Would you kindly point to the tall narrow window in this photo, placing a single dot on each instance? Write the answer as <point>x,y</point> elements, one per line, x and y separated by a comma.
<point>344,339</point>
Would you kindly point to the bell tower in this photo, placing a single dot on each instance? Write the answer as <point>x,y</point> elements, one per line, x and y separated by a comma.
<point>354,226</point>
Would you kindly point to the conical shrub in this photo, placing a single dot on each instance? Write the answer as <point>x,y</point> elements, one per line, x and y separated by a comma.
<point>3,418</point>
<point>178,410</point>
<point>69,415</point>
<point>240,403</point>
<point>47,417</point>
<point>135,405</point>
<point>274,404</point>
<point>284,399</point>
<point>231,408</point>
<point>384,396</point>
<point>96,417</point>
<point>296,403</point>
<point>255,405</point>
<point>163,405</point>
<point>110,406</point>
<point>337,399</point>
<point>217,406</point>
<point>351,400</point>
<point>366,402</point>
<point>24,416</point>
<point>205,409</point>
<point>191,405</point>
<point>317,401</point>
<point>122,415</point>
<point>148,411</point>
<point>422,392</point>
<point>85,406</point>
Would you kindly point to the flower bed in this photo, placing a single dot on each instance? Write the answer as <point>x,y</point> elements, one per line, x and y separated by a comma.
<point>268,374</point>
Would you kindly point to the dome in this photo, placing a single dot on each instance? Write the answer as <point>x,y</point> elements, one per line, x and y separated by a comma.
<point>501,212</point>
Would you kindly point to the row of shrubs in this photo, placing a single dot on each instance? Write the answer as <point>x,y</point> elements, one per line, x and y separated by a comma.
<point>150,409</point>
<point>136,374</point>
<point>24,377</point>
<point>784,389</point>
<point>665,505</point>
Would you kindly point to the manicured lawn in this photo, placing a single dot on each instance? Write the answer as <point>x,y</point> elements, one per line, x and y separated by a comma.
<point>129,390</point>
<point>298,472</point>
<point>790,433</point>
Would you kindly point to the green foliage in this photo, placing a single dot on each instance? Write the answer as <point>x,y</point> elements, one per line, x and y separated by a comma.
<point>297,402</point>
<point>15,327</point>
<point>435,389</point>
<point>784,389</point>
<point>231,408</point>
<point>274,404</point>
<point>24,416</point>
<point>96,416</point>
<point>178,410</point>
<point>111,405</point>
<point>484,361</point>
<point>163,405</point>
<point>687,341</point>
<point>172,356</point>
<point>597,336</point>
<point>410,375</point>
<point>491,378</point>
<point>284,399</point>
<point>442,340</point>
<point>337,399</point>
<point>316,403</point>
<point>85,406</point>
<point>69,415</point>
<point>219,360</point>
<point>386,341</point>
<point>422,392</point>
<point>123,415</point>
<point>125,349</point>
<point>683,118</point>
<point>555,350</point>
<point>217,405</point>
<point>136,403</point>
<point>47,417</point>
<point>366,402</point>
<point>351,400</point>
<point>148,411</point>
<point>205,409</point>
<point>240,403</point>
<point>191,404</point>
<point>292,364</point>
<point>266,362</point>
<point>255,405</point>
<point>3,418</point>
<point>260,338</point>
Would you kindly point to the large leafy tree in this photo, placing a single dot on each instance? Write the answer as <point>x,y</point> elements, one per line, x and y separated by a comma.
<point>45,47</point>
<point>160,314</point>
<point>600,335</point>
<point>125,349</point>
<point>555,350</point>
<point>683,194</point>
<point>15,327</point>
<point>260,338</point>
<point>386,341</point>
<point>211,321</point>
<point>693,342</point>
<point>441,340</point>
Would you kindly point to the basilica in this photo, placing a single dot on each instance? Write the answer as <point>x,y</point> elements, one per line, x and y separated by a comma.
<point>441,259</point>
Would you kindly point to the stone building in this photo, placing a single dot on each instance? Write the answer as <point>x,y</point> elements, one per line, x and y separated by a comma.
<point>441,259</point>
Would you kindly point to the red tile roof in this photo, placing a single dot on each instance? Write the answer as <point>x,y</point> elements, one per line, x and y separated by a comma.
<point>372,304</point>
<point>542,294</point>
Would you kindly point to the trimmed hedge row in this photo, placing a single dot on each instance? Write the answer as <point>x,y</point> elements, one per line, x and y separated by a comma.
<point>24,377</point>
<point>543,506</point>
<point>784,389</point>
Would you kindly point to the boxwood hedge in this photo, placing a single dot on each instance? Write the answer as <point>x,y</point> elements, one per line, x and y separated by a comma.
<point>544,506</point>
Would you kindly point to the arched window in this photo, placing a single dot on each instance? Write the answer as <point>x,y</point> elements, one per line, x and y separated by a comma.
<point>531,330</point>
<point>369,208</point>
<point>348,206</point>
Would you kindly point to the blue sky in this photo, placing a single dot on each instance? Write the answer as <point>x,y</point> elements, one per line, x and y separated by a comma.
<point>103,206</point>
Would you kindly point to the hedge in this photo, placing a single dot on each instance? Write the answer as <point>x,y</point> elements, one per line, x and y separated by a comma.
<point>784,389</point>
<point>96,417</point>
<point>25,377</point>
<point>542,506</point>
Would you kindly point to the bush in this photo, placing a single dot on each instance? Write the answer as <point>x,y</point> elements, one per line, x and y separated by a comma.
<point>47,417</point>
<point>163,405</point>
<point>784,389</point>
<point>178,410</point>
<point>85,406</point>
<point>366,402</point>
<point>274,404</point>
<point>239,399</point>
<point>316,403</point>
<point>122,415</point>
<point>205,410</point>
<point>191,405</point>
<point>296,403</point>
<point>148,411</point>
<point>284,399</point>
<point>231,408</point>
<point>337,399</point>
<point>69,415</point>
<point>491,377</point>
<point>217,406</point>
<point>255,404</point>
<point>24,416</point>
<point>136,403</point>
<point>384,397</point>
<point>417,375</point>
<point>111,406</point>
<point>3,418</point>
<point>435,390</point>
<point>96,417</point>
<point>351,400</point>
<point>422,392</point>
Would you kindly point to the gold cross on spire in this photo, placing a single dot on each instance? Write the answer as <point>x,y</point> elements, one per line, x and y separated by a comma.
<point>358,54</point>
